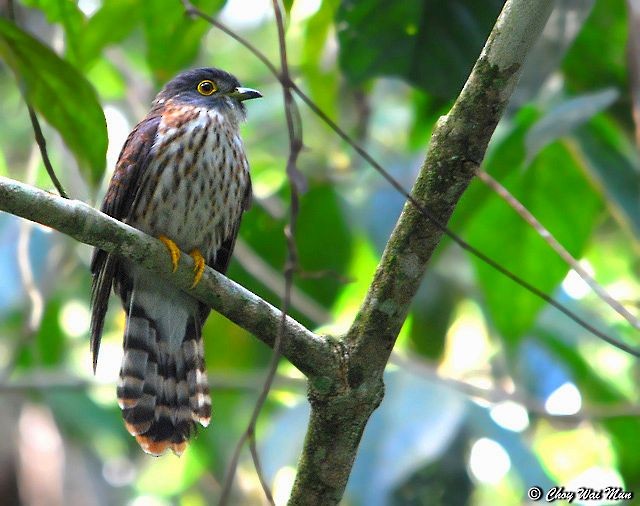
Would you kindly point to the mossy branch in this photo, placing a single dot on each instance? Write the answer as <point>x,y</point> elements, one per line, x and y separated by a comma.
<point>456,149</point>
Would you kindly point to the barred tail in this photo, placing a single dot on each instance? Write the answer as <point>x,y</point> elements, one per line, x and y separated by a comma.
<point>163,389</point>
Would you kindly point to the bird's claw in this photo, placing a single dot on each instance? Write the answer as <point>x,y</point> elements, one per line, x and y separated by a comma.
<point>174,251</point>
<point>198,267</point>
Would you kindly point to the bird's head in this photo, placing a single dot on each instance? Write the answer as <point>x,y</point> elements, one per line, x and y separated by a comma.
<point>210,88</point>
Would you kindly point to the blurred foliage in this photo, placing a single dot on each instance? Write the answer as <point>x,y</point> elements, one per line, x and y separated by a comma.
<point>416,41</point>
<point>385,71</point>
<point>55,88</point>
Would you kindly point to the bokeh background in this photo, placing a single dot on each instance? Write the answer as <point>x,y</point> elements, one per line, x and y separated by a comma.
<point>489,391</point>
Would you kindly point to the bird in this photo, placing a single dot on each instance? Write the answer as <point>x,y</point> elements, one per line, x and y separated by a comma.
<point>183,177</point>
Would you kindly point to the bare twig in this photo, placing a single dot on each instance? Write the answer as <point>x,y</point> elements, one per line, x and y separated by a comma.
<point>526,215</point>
<point>428,213</point>
<point>274,281</point>
<point>28,282</point>
<point>457,146</point>
<point>42,145</point>
<point>35,124</point>
<point>496,395</point>
<point>45,379</point>
<point>192,10</point>
<point>297,184</point>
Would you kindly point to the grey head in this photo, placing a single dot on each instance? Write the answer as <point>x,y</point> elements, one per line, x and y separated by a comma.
<point>210,88</point>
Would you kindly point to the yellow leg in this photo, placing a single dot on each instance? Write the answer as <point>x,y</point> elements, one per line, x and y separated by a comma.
<point>199,266</point>
<point>174,251</point>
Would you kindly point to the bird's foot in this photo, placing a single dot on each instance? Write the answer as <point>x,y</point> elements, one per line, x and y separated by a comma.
<point>199,265</point>
<point>174,251</point>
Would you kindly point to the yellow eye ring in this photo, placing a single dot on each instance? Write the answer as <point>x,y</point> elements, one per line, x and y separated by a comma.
<point>207,87</point>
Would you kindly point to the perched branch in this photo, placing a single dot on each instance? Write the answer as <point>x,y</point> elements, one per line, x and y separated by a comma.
<point>314,355</point>
<point>457,147</point>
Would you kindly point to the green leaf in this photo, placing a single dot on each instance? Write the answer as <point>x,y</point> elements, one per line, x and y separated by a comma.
<point>67,13</point>
<point>565,117</point>
<point>613,162</point>
<point>50,341</point>
<point>173,39</point>
<point>430,43</point>
<point>556,192</point>
<point>287,5</point>
<point>61,94</point>
<point>86,38</point>
<point>112,23</point>
<point>323,82</point>
<point>598,57</point>
<point>324,243</point>
<point>107,80</point>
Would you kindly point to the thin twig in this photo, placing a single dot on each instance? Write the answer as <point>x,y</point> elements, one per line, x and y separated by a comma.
<point>191,10</point>
<point>45,379</point>
<point>28,282</point>
<point>35,124</point>
<point>297,183</point>
<point>274,281</point>
<point>42,145</point>
<point>496,395</point>
<point>526,215</point>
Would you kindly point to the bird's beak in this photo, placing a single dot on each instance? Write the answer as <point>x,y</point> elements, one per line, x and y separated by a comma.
<point>245,94</point>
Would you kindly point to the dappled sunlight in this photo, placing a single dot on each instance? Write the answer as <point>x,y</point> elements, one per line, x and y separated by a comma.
<point>510,415</point>
<point>282,484</point>
<point>75,318</point>
<point>565,400</point>
<point>488,461</point>
<point>467,347</point>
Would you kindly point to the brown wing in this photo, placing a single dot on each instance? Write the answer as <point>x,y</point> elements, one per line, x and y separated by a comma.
<point>118,202</point>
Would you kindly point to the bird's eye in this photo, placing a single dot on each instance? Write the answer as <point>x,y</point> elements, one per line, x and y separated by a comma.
<point>207,87</point>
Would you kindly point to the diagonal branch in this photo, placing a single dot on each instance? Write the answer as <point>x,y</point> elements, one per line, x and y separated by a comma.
<point>456,149</point>
<point>314,355</point>
<point>287,84</point>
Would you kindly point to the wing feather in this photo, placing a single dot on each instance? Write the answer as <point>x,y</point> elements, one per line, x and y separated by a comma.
<point>118,203</point>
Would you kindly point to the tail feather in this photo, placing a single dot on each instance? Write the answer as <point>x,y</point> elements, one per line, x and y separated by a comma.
<point>163,389</point>
<point>197,386</point>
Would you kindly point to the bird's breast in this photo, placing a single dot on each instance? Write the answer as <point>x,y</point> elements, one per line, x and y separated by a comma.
<point>194,186</point>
